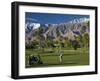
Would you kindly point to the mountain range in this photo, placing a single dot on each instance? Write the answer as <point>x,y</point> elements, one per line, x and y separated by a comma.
<point>68,29</point>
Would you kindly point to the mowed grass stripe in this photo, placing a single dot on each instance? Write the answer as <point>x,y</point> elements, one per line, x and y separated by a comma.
<point>70,57</point>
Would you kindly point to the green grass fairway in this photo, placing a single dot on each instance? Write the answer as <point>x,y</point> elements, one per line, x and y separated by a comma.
<point>50,57</point>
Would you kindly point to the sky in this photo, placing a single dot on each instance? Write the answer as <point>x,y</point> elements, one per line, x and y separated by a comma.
<point>50,18</point>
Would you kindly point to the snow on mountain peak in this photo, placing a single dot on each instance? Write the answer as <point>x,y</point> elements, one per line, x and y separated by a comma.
<point>79,20</point>
<point>31,26</point>
<point>36,25</point>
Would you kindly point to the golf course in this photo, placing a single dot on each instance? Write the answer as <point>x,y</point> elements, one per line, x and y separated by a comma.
<point>50,57</point>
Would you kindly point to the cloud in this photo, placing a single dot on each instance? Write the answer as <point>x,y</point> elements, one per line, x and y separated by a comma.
<point>32,19</point>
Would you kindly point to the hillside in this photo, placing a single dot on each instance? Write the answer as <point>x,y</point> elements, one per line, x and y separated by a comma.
<point>69,30</point>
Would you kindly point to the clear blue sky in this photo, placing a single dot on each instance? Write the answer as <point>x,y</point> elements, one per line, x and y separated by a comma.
<point>47,18</point>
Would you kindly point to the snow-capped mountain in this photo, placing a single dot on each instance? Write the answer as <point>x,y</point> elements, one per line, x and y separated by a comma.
<point>67,29</point>
<point>31,26</point>
<point>79,20</point>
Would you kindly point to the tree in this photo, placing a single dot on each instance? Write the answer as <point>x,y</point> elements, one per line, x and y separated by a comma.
<point>34,44</point>
<point>75,44</point>
<point>83,29</point>
<point>86,40</point>
<point>68,43</point>
<point>49,42</point>
<point>79,40</point>
<point>88,23</point>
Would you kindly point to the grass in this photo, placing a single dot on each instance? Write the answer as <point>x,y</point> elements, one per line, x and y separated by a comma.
<point>50,57</point>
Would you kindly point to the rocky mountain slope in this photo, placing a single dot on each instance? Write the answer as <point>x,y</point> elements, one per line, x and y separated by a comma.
<point>65,30</point>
